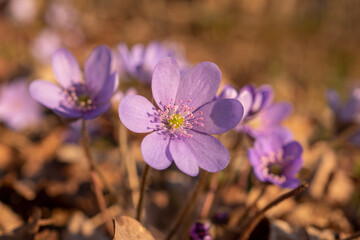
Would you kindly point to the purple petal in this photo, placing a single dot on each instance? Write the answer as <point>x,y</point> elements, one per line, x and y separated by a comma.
<point>165,81</point>
<point>291,183</point>
<point>210,154</point>
<point>46,93</point>
<point>267,144</point>
<point>333,99</point>
<point>96,112</point>
<point>228,92</point>
<point>184,157</point>
<point>292,154</point>
<point>262,98</point>
<point>155,150</point>
<point>274,114</point>
<point>66,68</point>
<point>245,99</point>
<point>349,111</point>
<point>124,54</point>
<point>97,69</point>
<point>219,116</point>
<point>136,113</point>
<point>199,84</point>
<point>108,90</point>
<point>255,163</point>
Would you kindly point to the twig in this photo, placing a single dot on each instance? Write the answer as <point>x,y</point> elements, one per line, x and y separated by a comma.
<point>355,236</point>
<point>189,205</point>
<point>101,202</point>
<point>142,192</point>
<point>252,206</point>
<point>252,223</point>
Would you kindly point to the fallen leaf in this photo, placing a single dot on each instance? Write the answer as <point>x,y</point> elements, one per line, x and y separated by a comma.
<point>127,228</point>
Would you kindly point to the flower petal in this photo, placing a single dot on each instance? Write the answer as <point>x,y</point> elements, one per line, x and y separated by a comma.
<point>211,155</point>
<point>66,68</point>
<point>137,114</point>
<point>274,114</point>
<point>97,69</point>
<point>291,183</point>
<point>184,157</point>
<point>108,89</point>
<point>199,84</point>
<point>255,163</point>
<point>265,145</point>
<point>292,154</point>
<point>245,99</point>
<point>155,150</point>
<point>219,116</point>
<point>333,99</point>
<point>46,93</point>
<point>90,114</point>
<point>165,81</point>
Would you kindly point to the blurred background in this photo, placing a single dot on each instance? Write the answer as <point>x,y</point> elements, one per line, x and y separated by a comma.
<point>300,47</point>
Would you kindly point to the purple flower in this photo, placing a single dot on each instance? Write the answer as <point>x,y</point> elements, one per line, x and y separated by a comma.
<point>200,231</point>
<point>186,116</point>
<point>23,11</point>
<point>76,98</point>
<point>267,121</point>
<point>275,159</point>
<point>17,108</point>
<point>261,116</point>
<point>140,61</point>
<point>45,44</point>
<point>345,112</point>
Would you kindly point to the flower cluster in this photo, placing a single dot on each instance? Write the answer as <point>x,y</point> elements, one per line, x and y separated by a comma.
<point>271,158</point>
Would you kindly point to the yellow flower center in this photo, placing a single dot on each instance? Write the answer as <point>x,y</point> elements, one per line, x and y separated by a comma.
<point>176,121</point>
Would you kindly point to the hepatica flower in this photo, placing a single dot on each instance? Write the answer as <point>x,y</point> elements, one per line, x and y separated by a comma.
<point>186,115</point>
<point>75,97</point>
<point>261,115</point>
<point>200,231</point>
<point>275,159</point>
<point>17,108</point>
<point>140,61</point>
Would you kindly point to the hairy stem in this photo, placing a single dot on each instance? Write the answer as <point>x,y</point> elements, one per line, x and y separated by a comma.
<point>142,192</point>
<point>189,205</point>
<point>95,176</point>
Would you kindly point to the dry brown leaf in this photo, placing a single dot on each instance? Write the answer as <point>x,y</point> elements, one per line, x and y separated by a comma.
<point>127,228</point>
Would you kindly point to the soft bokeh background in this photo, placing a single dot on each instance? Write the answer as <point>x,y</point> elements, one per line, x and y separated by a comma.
<point>300,47</point>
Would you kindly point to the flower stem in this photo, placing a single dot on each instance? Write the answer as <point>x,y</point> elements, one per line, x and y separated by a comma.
<point>142,192</point>
<point>189,205</point>
<point>95,176</point>
<point>209,199</point>
<point>253,221</point>
<point>253,205</point>
<point>129,163</point>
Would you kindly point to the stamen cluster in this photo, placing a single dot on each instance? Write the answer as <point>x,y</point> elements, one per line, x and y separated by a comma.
<point>178,117</point>
<point>78,97</point>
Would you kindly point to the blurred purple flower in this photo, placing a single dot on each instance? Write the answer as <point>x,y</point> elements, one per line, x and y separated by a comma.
<point>140,61</point>
<point>23,11</point>
<point>275,159</point>
<point>17,108</point>
<point>348,112</point>
<point>261,116</point>
<point>200,231</point>
<point>61,14</point>
<point>45,44</point>
<point>186,116</point>
<point>76,98</point>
